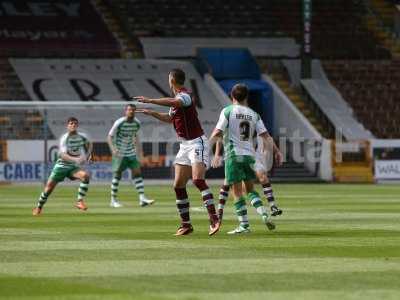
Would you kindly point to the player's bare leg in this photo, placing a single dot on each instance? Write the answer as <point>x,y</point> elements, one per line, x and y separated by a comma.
<point>241,210</point>
<point>139,184</point>
<point>48,189</point>
<point>84,177</point>
<point>182,175</point>
<point>267,189</point>
<point>198,175</point>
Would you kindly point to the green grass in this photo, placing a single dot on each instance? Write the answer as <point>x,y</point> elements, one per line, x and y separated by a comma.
<point>332,242</point>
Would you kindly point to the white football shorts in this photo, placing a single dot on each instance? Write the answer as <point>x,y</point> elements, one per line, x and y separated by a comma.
<point>193,151</point>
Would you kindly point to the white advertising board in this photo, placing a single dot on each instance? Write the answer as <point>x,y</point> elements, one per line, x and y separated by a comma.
<point>104,80</point>
<point>387,169</point>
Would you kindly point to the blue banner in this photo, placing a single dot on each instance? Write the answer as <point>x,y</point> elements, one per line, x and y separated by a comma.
<point>34,171</point>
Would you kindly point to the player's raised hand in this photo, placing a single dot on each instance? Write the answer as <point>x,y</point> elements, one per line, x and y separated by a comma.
<point>141,99</point>
<point>216,161</point>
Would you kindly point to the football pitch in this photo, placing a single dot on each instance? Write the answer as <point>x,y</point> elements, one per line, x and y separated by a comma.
<point>332,242</point>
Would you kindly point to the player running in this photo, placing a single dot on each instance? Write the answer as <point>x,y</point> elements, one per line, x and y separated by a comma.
<point>123,141</point>
<point>261,170</point>
<point>75,149</point>
<point>193,156</point>
<point>237,123</point>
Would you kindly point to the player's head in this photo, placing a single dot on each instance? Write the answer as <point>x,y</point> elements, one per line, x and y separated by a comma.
<point>72,124</point>
<point>176,78</point>
<point>130,110</point>
<point>239,93</point>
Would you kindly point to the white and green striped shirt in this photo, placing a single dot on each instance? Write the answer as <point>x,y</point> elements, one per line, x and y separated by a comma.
<point>239,123</point>
<point>72,144</point>
<point>123,134</point>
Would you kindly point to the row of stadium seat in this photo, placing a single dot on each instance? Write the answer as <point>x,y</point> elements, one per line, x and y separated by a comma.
<point>264,18</point>
<point>371,88</point>
<point>254,4</point>
<point>20,124</point>
<point>62,52</point>
<point>59,35</point>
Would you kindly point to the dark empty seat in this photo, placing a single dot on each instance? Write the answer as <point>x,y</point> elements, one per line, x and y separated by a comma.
<point>339,30</point>
<point>372,91</point>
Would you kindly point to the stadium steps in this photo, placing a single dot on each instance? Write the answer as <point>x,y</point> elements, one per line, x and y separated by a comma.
<point>384,36</point>
<point>384,9</point>
<point>293,172</point>
<point>295,95</point>
<point>290,172</point>
<point>128,47</point>
<point>11,87</point>
<point>380,24</point>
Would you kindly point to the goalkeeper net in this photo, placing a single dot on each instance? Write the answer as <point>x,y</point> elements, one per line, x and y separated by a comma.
<point>30,132</point>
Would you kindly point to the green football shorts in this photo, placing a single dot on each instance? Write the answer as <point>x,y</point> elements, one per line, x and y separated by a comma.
<point>120,164</point>
<point>239,168</point>
<point>60,172</point>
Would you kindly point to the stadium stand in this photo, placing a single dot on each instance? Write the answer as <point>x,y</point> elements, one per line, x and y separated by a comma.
<point>356,52</point>
<point>130,45</point>
<point>371,88</point>
<point>50,29</point>
<point>385,10</point>
<point>54,29</point>
<point>335,108</point>
<point>258,18</point>
<point>45,29</point>
<point>358,30</point>
<point>279,72</point>
<point>10,86</point>
<point>265,19</point>
<point>12,122</point>
<point>386,35</point>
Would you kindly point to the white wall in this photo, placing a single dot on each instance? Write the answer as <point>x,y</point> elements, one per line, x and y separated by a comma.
<point>217,90</point>
<point>27,150</point>
<point>155,47</point>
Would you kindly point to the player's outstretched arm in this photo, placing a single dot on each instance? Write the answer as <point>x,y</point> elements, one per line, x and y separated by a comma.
<point>170,102</point>
<point>215,136</point>
<point>163,117</point>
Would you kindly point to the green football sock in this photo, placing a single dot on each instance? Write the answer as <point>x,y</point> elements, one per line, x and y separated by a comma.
<point>114,187</point>
<point>43,199</point>
<point>241,212</point>
<point>255,200</point>
<point>139,184</point>
<point>83,188</point>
